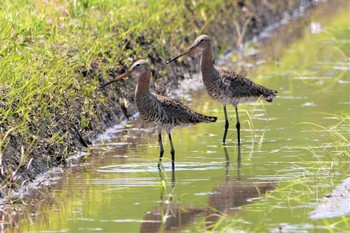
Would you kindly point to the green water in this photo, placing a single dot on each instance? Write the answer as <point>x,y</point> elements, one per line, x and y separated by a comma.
<point>286,165</point>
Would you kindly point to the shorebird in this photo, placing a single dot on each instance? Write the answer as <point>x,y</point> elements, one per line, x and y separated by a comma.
<point>226,87</point>
<point>160,112</point>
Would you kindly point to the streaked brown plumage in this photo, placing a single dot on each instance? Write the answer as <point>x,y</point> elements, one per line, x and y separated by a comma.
<point>227,87</point>
<point>158,111</point>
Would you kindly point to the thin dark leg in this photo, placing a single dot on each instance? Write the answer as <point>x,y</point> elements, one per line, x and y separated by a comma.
<point>172,180</point>
<point>161,148</point>
<point>239,162</point>
<point>238,126</point>
<point>172,153</point>
<point>226,126</point>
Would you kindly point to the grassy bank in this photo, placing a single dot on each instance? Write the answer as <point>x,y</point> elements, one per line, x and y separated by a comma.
<point>54,54</point>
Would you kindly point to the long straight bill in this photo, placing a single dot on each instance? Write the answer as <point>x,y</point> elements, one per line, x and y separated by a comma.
<point>126,74</point>
<point>182,54</point>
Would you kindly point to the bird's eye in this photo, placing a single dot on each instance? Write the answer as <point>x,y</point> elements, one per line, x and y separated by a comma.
<point>137,65</point>
<point>201,41</point>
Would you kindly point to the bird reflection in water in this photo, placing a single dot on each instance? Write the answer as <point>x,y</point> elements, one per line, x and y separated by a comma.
<point>233,193</point>
<point>225,198</point>
<point>170,215</point>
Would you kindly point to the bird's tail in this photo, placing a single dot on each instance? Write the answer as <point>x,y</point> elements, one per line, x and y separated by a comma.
<point>210,118</point>
<point>270,96</point>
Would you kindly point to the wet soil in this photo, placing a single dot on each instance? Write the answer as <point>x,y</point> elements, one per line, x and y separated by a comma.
<point>115,104</point>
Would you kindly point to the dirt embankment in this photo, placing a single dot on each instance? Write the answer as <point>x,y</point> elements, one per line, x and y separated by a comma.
<point>115,103</point>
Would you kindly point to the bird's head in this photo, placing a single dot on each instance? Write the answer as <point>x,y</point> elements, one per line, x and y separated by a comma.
<point>140,68</point>
<point>202,42</point>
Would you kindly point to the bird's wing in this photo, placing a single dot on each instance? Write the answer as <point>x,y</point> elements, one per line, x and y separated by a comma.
<point>177,113</point>
<point>241,87</point>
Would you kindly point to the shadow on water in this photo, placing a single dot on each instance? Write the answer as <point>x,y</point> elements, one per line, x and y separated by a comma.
<point>170,215</point>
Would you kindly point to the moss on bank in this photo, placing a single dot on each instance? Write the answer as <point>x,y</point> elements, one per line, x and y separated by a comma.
<point>54,54</point>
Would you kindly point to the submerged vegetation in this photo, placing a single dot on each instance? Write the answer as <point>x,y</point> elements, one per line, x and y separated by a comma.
<point>54,54</point>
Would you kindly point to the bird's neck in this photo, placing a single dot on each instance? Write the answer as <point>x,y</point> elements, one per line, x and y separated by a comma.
<point>208,69</point>
<point>142,88</point>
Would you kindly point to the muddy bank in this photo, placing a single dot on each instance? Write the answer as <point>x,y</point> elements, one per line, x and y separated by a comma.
<point>103,108</point>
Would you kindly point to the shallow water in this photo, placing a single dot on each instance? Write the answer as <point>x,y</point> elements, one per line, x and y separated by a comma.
<point>285,165</point>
